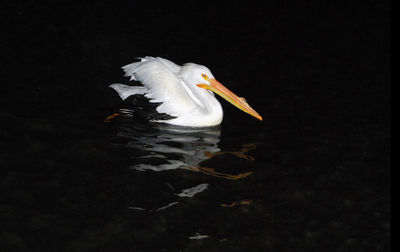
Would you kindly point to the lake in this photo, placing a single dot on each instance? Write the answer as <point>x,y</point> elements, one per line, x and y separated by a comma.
<point>313,176</point>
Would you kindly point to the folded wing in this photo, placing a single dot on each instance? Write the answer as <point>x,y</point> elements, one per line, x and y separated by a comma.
<point>161,85</point>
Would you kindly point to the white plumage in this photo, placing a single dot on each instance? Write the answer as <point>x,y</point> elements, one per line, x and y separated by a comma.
<point>183,91</point>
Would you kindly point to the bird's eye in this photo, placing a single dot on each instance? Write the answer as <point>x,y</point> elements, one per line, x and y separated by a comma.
<point>204,76</point>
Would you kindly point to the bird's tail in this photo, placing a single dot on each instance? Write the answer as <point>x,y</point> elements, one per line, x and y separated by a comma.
<point>124,91</point>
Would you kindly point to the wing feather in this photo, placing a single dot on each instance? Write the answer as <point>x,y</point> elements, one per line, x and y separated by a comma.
<point>163,85</point>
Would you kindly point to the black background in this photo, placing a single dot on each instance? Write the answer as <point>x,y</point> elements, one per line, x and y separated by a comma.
<point>54,49</point>
<point>309,68</point>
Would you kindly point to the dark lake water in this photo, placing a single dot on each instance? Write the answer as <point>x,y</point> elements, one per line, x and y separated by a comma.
<point>313,176</point>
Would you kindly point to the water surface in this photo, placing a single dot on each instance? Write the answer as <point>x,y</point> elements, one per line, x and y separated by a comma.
<point>86,185</point>
<point>313,176</point>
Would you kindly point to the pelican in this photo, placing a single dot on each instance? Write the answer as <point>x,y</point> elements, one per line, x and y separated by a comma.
<point>184,92</point>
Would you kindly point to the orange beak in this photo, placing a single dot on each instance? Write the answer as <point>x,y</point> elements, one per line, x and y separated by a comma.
<point>225,93</point>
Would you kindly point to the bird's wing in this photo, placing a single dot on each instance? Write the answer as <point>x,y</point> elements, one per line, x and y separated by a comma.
<point>124,91</point>
<point>159,76</point>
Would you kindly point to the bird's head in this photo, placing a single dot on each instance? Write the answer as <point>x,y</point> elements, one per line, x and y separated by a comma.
<point>203,78</point>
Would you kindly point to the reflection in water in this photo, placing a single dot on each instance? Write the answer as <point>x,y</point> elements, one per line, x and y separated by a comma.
<point>155,210</point>
<point>157,151</point>
<point>160,147</point>
<point>236,203</point>
<point>198,236</point>
<point>190,192</point>
<point>167,147</point>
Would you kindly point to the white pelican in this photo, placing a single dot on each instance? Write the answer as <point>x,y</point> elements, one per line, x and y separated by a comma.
<point>183,91</point>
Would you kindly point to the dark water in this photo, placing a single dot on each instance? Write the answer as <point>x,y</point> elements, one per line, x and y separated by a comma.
<point>313,176</point>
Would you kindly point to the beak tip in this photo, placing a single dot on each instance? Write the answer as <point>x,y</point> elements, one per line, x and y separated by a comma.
<point>256,115</point>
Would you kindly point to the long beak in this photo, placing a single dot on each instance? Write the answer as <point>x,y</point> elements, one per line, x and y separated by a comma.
<point>225,93</point>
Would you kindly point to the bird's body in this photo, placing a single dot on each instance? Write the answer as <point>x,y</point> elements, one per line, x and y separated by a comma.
<point>183,91</point>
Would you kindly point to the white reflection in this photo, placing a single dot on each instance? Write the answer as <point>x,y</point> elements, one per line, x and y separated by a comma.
<point>167,147</point>
<point>158,148</point>
<point>190,192</point>
<point>162,147</point>
<point>198,236</point>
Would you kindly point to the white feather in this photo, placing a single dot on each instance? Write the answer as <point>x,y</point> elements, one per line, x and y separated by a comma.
<point>167,83</point>
<point>162,85</point>
<point>125,91</point>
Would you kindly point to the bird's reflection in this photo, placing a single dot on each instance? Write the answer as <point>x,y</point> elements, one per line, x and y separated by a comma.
<point>164,147</point>
<point>174,147</point>
<point>157,147</point>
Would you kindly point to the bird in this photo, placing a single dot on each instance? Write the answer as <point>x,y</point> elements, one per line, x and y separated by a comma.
<point>186,93</point>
